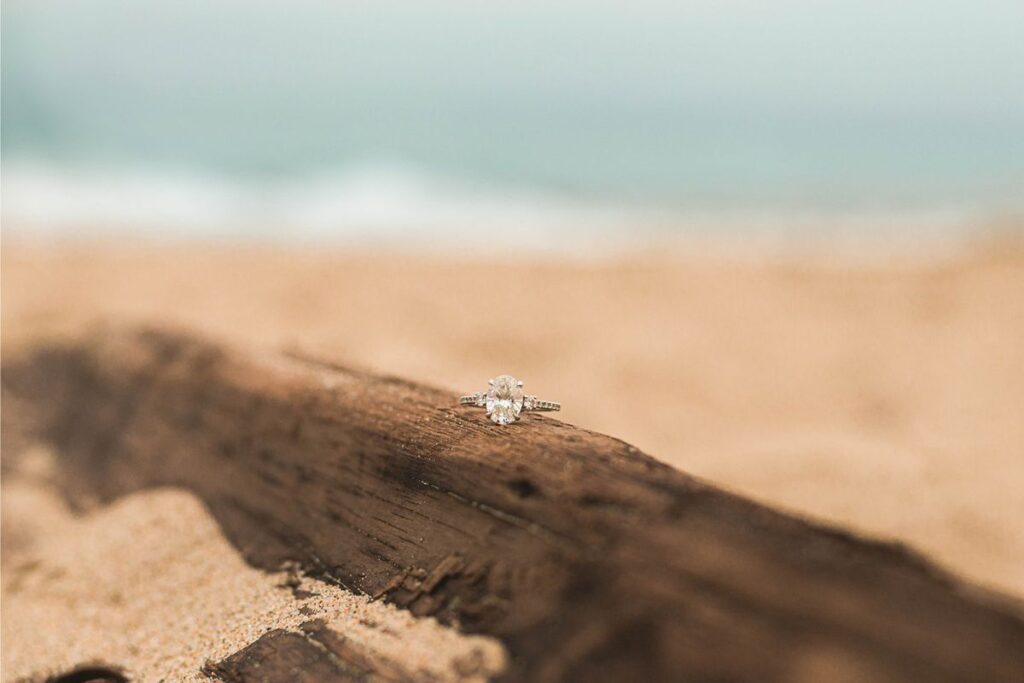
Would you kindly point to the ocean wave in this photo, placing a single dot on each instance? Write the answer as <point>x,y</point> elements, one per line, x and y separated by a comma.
<point>392,204</point>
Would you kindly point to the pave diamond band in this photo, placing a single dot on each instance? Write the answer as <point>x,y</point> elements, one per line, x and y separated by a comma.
<point>479,400</point>
<point>505,400</point>
<point>544,405</point>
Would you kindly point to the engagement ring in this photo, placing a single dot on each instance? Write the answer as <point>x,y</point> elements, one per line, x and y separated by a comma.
<point>504,400</point>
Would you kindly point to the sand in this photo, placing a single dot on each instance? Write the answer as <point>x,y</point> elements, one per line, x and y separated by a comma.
<point>151,585</point>
<point>886,395</point>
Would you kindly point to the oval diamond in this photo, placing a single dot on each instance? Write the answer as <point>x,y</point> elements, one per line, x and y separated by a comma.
<point>504,399</point>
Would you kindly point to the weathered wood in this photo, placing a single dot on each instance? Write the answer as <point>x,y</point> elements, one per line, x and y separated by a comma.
<point>309,657</point>
<point>589,559</point>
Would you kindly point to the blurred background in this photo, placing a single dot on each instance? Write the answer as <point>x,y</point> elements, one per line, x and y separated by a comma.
<point>777,245</point>
<point>552,123</point>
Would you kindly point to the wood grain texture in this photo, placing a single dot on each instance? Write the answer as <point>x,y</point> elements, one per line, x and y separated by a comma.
<point>294,657</point>
<point>589,559</point>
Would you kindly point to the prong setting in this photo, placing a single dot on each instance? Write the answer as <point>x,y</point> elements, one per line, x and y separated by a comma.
<point>504,399</point>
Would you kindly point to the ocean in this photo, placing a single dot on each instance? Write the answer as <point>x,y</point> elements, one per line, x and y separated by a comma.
<point>525,123</point>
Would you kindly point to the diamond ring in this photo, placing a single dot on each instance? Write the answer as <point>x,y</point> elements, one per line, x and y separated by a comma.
<point>504,400</point>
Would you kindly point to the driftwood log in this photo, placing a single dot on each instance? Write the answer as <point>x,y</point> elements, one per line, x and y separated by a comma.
<point>590,560</point>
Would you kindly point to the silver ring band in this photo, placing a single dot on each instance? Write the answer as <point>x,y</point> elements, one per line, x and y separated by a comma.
<point>529,402</point>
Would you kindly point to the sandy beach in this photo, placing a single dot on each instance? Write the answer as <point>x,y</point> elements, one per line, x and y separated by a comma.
<point>883,395</point>
<point>768,258</point>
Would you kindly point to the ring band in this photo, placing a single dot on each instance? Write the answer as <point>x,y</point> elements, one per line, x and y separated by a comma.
<point>505,400</point>
<point>537,405</point>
